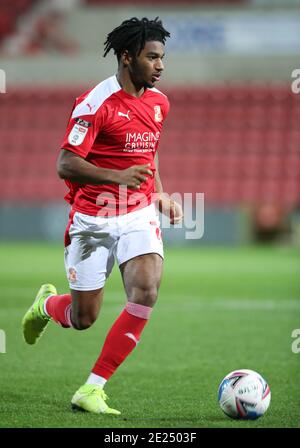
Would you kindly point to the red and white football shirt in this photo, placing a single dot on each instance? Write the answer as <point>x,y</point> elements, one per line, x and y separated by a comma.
<point>112,129</point>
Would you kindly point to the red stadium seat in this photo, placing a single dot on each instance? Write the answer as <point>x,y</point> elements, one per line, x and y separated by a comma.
<point>236,144</point>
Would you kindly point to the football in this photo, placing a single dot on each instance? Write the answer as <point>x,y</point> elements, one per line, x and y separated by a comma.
<point>244,394</point>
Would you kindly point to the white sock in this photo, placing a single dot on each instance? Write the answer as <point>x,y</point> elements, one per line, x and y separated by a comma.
<point>96,379</point>
<point>44,306</point>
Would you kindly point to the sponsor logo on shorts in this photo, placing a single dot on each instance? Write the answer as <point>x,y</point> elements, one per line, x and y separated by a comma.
<point>158,233</point>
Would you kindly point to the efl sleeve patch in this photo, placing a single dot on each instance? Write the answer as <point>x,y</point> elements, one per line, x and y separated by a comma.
<point>82,122</point>
<point>77,134</point>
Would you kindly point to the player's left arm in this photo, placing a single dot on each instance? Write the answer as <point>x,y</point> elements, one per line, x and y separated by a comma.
<point>166,205</point>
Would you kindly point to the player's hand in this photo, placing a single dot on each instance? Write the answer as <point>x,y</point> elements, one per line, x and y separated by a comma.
<point>170,208</point>
<point>134,176</point>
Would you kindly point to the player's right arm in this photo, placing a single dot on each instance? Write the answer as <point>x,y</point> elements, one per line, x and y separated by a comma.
<point>82,129</point>
<point>71,166</point>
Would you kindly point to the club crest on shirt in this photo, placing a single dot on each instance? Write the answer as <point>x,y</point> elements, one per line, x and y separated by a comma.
<point>77,135</point>
<point>157,113</point>
<point>72,275</point>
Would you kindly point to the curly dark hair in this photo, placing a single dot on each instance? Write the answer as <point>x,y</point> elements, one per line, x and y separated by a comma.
<point>132,35</point>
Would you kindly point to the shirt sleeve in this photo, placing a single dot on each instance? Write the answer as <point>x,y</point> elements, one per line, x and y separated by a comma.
<point>81,133</point>
<point>166,108</point>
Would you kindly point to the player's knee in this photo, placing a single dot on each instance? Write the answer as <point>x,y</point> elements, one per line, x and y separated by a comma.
<point>146,297</point>
<point>83,322</point>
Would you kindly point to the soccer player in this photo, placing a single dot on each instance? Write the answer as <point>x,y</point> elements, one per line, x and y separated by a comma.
<point>108,160</point>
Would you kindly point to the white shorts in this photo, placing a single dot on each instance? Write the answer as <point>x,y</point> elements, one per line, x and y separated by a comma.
<point>96,241</point>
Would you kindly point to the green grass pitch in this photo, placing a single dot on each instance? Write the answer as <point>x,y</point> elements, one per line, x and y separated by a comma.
<point>219,309</point>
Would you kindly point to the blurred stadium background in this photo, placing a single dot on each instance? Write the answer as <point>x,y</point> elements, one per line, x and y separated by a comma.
<point>233,132</point>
